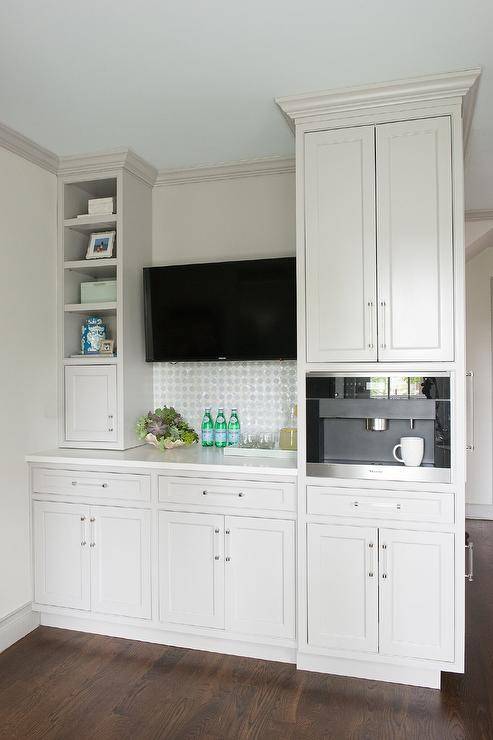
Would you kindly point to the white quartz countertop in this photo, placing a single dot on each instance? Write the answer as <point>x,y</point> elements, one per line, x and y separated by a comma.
<point>195,458</point>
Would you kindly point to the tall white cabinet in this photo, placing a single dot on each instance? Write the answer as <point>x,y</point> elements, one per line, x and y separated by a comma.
<point>380,255</point>
<point>102,396</point>
<point>379,259</point>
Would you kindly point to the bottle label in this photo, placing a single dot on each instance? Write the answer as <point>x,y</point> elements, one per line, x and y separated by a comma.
<point>233,436</point>
<point>220,436</point>
<point>207,435</point>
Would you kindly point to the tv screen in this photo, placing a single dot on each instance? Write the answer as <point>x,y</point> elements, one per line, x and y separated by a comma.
<point>221,311</point>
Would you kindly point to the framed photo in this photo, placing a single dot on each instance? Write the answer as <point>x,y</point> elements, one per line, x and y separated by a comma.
<point>101,245</point>
<point>106,347</point>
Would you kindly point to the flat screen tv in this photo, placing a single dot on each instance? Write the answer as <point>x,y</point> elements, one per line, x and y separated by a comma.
<point>221,311</point>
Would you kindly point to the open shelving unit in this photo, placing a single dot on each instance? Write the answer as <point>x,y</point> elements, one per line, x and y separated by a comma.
<point>131,190</point>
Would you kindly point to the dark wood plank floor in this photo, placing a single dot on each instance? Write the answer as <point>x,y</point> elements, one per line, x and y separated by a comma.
<point>71,686</point>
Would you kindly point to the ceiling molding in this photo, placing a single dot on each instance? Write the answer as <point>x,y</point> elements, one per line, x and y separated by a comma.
<point>121,158</point>
<point>28,149</point>
<point>302,108</point>
<point>227,171</point>
<point>480,215</point>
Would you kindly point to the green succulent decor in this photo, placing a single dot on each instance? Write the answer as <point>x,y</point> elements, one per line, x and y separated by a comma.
<point>165,428</point>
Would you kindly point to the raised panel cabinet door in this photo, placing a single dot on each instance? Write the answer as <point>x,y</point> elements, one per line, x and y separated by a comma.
<point>61,555</point>
<point>340,245</point>
<point>414,238</point>
<point>343,587</point>
<point>260,576</point>
<point>90,403</point>
<point>120,546</point>
<point>417,594</point>
<point>191,569</point>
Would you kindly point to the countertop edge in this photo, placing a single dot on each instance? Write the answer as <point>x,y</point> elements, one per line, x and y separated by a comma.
<point>164,465</point>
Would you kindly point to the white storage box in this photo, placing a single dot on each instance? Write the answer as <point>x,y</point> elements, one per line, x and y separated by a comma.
<point>100,206</point>
<point>99,291</point>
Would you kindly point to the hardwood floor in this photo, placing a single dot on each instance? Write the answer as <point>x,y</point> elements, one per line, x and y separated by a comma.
<point>71,686</point>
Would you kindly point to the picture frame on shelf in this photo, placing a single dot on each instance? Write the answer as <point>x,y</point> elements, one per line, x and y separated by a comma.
<point>106,347</point>
<point>101,245</point>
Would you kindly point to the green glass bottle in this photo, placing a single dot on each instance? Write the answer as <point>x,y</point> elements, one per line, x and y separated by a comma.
<point>220,429</point>
<point>233,429</point>
<point>207,429</point>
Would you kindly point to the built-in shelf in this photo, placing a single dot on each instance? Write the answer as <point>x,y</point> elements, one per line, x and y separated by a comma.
<point>99,268</point>
<point>86,224</point>
<point>106,307</point>
<point>90,360</point>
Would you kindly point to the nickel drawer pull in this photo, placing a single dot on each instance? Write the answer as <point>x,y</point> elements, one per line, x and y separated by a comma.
<point>378,504</point>
<point>370,310</point>
<point>83,541</point>
<point>88,483</point>
<point>384,561</point>
<point>222,493</point>
<point>383,306</point>
<point>470,549</point>
<point>371,570</point>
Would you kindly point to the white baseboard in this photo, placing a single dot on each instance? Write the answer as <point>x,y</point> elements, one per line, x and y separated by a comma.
<point>17,625</point>
<point>176,639</point>
<point>409,675</point>
<point>479,511</point>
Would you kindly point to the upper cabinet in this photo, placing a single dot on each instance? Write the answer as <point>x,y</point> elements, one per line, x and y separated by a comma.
<point>414,240</point>
<point>340,245</point>
<point>378,243</point>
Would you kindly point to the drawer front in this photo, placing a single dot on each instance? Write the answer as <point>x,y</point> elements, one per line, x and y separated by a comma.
<point>237,494</point>
<point>410,506</point>
<point>113,486</point>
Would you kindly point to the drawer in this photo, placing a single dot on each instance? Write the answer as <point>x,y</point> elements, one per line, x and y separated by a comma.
<point>113,486</point>
<point>411,506</point>
<point>236,494</point>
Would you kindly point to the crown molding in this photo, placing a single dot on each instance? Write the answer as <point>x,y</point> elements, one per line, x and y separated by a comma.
<point>100,162</point>
<point>227,171</point>
<point>480,215</point>
<point>28,149</point>
<point>460,84</point>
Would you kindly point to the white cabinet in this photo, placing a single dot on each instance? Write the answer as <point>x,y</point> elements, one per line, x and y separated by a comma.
<point>96,558</point>
<point>234,573</point>
<point>343,587</point>
<point>260,577</point>
<point>191,569</point>
<point>417,594</point>
<point>340,245</point>
<point>90,403</point>
<point>414,253</point>
<point>62,572</point>
<point>379,196</point>
<point>121,561</point>
<point>381,590</point>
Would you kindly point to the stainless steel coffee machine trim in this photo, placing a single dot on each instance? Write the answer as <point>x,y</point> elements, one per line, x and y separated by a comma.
<point>379,472</point>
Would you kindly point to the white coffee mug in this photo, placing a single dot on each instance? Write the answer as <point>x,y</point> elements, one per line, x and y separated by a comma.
<point>412,451</point>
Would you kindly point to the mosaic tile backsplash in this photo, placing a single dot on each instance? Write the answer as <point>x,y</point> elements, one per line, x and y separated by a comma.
<point>263,392</point>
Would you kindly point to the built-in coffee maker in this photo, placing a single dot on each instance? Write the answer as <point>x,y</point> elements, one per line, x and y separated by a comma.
<point>356,423</point>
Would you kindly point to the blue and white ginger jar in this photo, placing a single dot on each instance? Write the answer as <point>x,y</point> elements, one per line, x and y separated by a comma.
<point>92,333</point>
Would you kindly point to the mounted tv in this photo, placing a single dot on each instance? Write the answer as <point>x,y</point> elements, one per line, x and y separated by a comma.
<point>221,311</point>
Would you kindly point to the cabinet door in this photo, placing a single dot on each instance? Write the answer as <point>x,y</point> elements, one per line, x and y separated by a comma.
<point>120,545</point>
<point>340,245</point>
<point>260,576</point>
<point>90,403</point>
<point>415,251</point>
<point>343,587</point>
<point>61,555</point>
<point>191,569</point>
<point>417,594</point>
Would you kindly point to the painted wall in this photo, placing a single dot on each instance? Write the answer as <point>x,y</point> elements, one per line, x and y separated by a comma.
<point>243,218</point>
<point>479,276</point>
<point>28,356</point>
